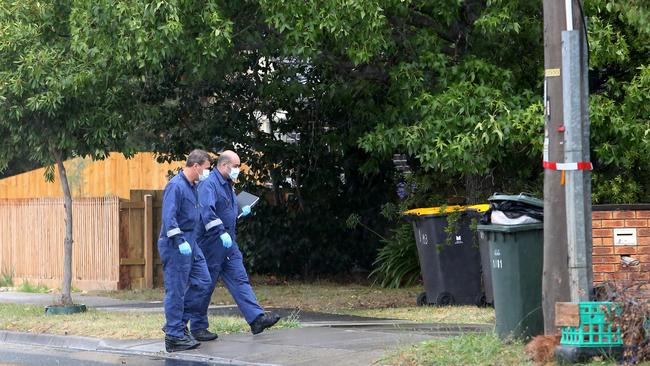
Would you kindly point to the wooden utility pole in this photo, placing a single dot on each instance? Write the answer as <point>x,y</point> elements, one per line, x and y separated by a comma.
<point>555,280</point>
<point>567,181</point>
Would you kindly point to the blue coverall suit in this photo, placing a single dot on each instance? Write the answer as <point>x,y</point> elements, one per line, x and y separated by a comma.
<point>182,273</point>
<point>219,215</point>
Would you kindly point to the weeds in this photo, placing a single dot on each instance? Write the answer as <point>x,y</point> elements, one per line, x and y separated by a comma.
<point>7,279</point>
<point>397,261</point>
<point>291,321</point>
<point>26,286</point>
<point>468,349</point>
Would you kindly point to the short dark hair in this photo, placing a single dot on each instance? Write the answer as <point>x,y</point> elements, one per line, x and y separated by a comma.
<point>198,156</point>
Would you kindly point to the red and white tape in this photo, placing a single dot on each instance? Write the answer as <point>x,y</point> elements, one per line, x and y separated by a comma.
<point>581,165</point>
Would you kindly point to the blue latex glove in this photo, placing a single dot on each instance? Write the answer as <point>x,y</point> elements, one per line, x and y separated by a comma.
<point>246,210</point>
<point>226,240</point>
<point>185,248</point>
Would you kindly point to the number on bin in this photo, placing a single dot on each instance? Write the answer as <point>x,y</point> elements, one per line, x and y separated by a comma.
<point>497,263</point>
<point>424,239</point>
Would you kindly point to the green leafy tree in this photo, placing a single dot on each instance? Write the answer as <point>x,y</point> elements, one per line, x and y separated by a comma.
<point>341,86</point>
<point>620,102</point>
<point>216,97</point>
<point>56,100</point>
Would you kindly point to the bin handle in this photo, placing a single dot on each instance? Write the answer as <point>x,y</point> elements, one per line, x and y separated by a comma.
<point>529,194</point>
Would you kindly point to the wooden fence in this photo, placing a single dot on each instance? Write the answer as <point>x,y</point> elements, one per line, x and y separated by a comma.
<point>31,241</point>
<point>140,221</point>
<point>114,241</point>
<point>114,175</point>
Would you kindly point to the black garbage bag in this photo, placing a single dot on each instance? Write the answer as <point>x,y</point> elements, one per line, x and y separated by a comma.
<point>514,207</point>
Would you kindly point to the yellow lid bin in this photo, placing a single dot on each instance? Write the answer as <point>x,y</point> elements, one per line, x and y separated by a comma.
<point>434,211</point>
<point>479,208</point>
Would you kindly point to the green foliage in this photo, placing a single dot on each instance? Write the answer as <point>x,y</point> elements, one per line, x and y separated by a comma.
<point>465,126</point>
<point>57,100</point>
<point>309,160</point>
<point>292,320</point>
<point>397,261</point>
<point>477,128</point>
<point>616,190</point>
<point>468,349</point>
<point>340,86</point>
<point>619,105</point>
<point>453,226</point>
<point>53,100</point>
<point>6,279</point>
<point>472,111</point>
<point>145,35</point>
<point>476,112</point>
<point>356,28</point>
<point>26,286</point>
<point>291,249</point>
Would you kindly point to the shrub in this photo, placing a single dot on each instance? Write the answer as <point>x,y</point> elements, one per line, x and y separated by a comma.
<point>634,317</point>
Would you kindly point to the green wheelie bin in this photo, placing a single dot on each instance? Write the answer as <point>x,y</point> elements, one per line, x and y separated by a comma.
<point>516,260</point>
<point>475,212</point>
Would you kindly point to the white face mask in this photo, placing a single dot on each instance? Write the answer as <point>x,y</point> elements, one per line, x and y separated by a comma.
<point>234,173</point>
<point>205,175</point>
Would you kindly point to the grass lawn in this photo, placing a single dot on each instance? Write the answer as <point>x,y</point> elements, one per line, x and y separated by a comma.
<point>352,299</point>
<point>432,314</point>
<point>471,349</point>
<point>103,324</point>
<point>317,296</point>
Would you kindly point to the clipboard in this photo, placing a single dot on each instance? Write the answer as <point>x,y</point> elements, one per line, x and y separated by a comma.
<point>245,199</point>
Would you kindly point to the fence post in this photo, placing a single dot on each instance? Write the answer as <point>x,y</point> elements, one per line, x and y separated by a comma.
<point>148,241</point>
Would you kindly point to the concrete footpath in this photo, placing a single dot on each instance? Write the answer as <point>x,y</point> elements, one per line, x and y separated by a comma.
<point>322,339</point>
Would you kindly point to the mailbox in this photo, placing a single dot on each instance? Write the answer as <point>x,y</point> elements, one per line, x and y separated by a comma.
<point>624,236</point>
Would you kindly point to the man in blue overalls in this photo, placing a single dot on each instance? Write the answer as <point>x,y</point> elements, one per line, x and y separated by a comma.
<point>184,265</point>
<point>217,239</point>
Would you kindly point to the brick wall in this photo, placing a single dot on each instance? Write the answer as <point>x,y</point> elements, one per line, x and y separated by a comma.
<point>607,256</point>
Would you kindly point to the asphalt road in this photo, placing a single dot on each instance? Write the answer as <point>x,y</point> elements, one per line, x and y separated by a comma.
<point>37,356</point>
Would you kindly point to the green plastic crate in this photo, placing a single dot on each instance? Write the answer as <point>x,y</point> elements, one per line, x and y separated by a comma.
<point>594,329</point>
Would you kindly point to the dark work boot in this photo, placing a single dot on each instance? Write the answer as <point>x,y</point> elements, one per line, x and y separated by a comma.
<point>264,321</point>
<point>204,335</point>
<point>175,344</point>
<point>188,334</point>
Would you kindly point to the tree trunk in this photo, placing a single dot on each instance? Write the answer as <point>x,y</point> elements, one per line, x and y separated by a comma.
<point>66,297</point>
<point>472,188</point>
